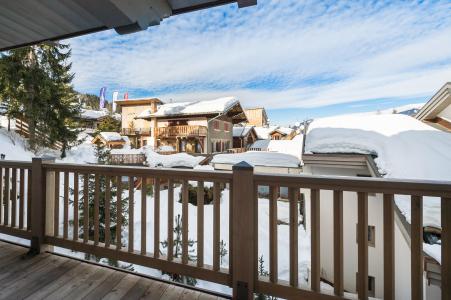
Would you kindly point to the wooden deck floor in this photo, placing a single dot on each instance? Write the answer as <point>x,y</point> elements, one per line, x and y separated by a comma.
<point>49,276</point>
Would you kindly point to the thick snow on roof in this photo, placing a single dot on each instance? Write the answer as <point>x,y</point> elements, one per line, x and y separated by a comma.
<point>173,160</point>
<point>220,105</point>
<point>240,131</point>
<point>257,158</point>
<point>91,114</point>
<point>405,148</point>
<point>111,136</point>
<point>283,130</point>
<point>263,132</point>
<point>292,147</point>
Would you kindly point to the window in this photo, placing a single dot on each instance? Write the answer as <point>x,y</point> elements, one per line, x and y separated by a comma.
<point>226,126</point>
<point>216,124</point>
<point>371,285</point>
<point>371,235</point>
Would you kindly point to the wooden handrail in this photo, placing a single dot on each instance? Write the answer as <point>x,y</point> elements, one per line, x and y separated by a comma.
<point>182,130</point>
<point>48,183</point>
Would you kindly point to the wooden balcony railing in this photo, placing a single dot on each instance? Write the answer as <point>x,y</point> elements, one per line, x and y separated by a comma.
<point>38,198</point>
<point>182,130</point>
<point>135,131</point>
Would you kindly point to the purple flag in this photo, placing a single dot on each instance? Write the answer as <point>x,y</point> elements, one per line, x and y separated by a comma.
<point>102,97</point>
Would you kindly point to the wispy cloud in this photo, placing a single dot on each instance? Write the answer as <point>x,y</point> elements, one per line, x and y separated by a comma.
<point>279,54</point>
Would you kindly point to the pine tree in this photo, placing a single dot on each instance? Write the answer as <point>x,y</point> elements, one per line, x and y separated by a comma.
<point>102,157</point>
<point>109,123</point>
<point>35,84</point>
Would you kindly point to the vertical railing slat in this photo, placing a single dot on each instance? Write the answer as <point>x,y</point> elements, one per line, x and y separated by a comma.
<point>338,243</point>
<point>143,215</point>
<point>107,211</point>
<point>21,198</point>
<point>293,236</point>
<point>200,224</point>
<point>66,206</point>
<point>86,208</point>
<point>170,219</point>
<point>56,207</point>
<point>417,247</point>
<point>1,196</point>
<point>315,240</point>
<point>230,230</point>
<point>362,243</point>
<point>156,233</point>
<point>131,213</point>
<point>446,248</point>
<point>96,208</point>
<point>216,225</point>
<point>185,222</point>
<point>76,196</point>
<point>119,213</point>
<point>13,197</point>
<point>29,196</point>
<point>6,199</point>
<point>273,242</point>
<point>389,247</point>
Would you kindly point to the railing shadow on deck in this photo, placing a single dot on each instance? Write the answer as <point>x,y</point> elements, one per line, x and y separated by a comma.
<point>48,202</point>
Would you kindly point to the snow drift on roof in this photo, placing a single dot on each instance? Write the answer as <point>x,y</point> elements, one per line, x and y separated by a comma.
<point>173,160</point>
<point>240,131</point>
<point>283,130</point>
<point>263,132</point>
<point>91,114</point>
<point>220,105</point>
<point>111,136</point>
<point>256,158</point>
<point>292,147</point>
<point>405,148</point>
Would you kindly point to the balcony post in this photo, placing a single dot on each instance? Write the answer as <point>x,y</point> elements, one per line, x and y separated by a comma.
<point>244,237</point>
<point>38,204</point>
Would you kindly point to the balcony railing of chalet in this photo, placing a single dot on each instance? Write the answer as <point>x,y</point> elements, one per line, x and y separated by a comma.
<point>37,198</point>
<point>182,130</point>
<point>135,131</point>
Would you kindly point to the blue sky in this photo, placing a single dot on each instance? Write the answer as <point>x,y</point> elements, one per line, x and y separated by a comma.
<point>298,59</point>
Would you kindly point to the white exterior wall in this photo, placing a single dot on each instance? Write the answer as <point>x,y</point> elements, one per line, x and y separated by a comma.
<point>446,113</point>
<point>375,254</point>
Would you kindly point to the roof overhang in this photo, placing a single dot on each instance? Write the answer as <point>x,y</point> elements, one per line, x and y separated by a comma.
<point>436,104</point>
<point>28,22</point>
<point>133,102</point>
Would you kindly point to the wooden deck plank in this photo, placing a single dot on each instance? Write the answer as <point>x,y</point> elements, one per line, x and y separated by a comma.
<point>106,286</point>
<point>49,276</point>
<point>122,287</point>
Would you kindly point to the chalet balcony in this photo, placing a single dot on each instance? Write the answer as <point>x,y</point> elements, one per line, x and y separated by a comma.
<point>135,131</point>
<point>44,202</point>
<point>182,131</point>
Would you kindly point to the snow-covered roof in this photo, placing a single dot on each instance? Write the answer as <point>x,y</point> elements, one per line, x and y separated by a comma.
<point>240,131</point>
<point>257,158</point>
<point>282,130</point>
<point>220,105</point>
<point>263,132</point>
<point>292,147</point>
<point>111,136</point>
<point>127,151</point>
<point>405,148</point>
<point>173,160</point>
<point>90,114</point>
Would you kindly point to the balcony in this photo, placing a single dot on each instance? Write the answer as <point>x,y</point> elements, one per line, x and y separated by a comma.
<point>135,131</point>
<point>37,204</point>
<point>182,131</point>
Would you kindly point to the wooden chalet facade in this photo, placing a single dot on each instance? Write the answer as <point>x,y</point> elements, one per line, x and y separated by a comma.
<point>282,133</point>
<point>256,117</point>
<point>197,127</point>
<point>137,130</point>
<point>111,140</point>
<point>243,136</point>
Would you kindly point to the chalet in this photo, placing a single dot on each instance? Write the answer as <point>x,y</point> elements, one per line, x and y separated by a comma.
<point>282,133</point>
<point>243,136</point>
<point>195,127</point>
<point>256,117</point>
<point>90,119</point>
<point>437,111</point>
<point>111,140</point>
<point>138,130</point>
